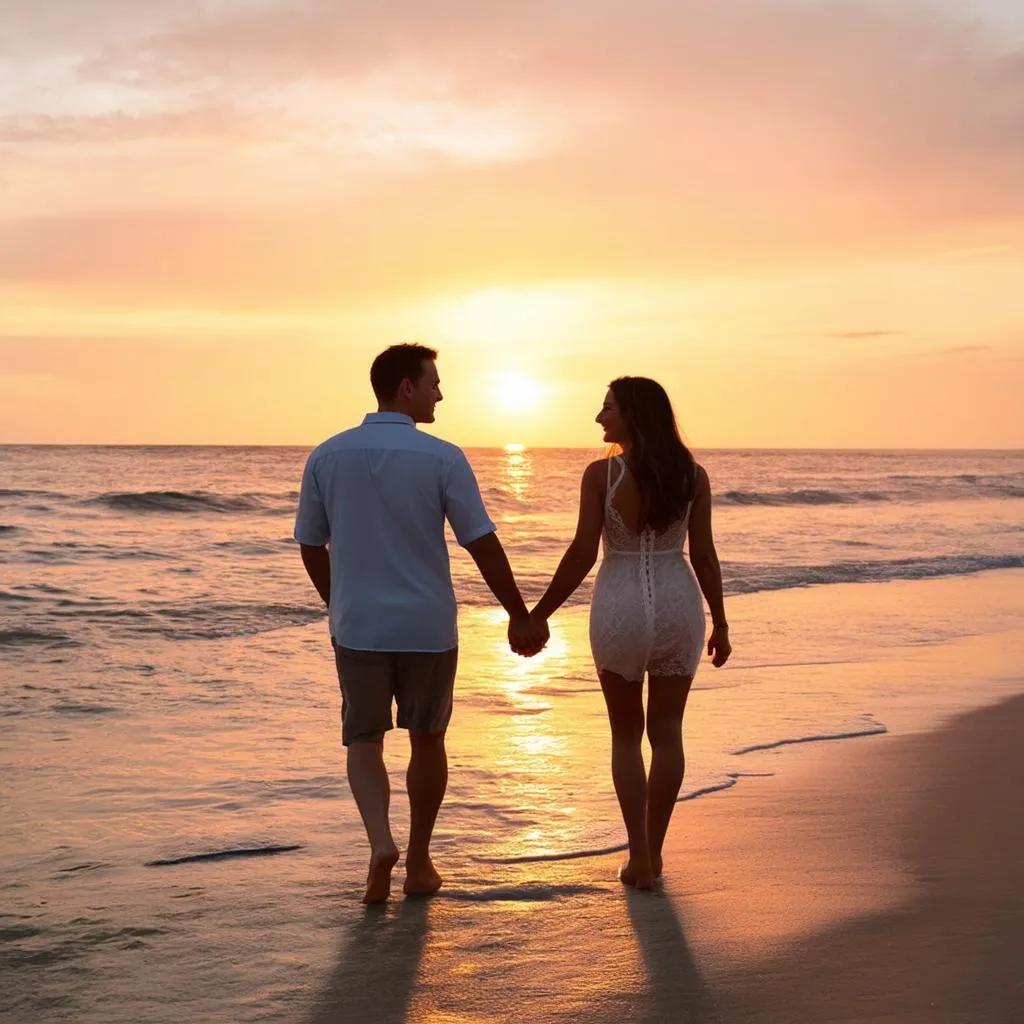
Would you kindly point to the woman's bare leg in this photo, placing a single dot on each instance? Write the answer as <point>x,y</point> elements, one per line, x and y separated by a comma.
<point>624,700</point>
<point>666,703</point>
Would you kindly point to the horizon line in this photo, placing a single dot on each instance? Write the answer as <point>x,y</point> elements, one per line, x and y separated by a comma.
<point>503,447</point>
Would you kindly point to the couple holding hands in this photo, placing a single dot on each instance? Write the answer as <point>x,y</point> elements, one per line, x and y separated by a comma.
<point>370,526</point>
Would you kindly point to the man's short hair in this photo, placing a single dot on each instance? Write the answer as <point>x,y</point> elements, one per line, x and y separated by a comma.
<point>395,364</point>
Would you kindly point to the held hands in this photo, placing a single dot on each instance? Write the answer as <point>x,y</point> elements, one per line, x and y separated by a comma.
<point>718,645</point>
<point>527,635</point>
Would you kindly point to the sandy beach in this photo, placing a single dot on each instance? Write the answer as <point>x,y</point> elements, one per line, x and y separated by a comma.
<point>880,882</point>
<point>904,857</point>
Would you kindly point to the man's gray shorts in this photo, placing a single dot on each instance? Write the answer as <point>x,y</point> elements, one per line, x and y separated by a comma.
<point>421,683</point>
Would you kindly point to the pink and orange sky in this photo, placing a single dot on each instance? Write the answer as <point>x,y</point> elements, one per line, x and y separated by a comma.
<point>805,218</point>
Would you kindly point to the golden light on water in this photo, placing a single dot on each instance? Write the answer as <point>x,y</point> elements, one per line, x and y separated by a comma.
<point>518,470</point>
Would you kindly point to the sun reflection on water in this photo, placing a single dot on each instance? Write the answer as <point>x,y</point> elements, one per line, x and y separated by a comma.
<point>518,470</point>
<point>534,752</point>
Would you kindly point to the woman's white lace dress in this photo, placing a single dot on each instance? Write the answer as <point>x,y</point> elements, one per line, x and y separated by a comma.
<point>647,613</point>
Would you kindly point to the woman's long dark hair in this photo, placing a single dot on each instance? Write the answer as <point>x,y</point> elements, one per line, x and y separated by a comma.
<point>661,464</point>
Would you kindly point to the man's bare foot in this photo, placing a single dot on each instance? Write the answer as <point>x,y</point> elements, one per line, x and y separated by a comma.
<point>378,878</point>
<point>639,876</point>
<point>421,879</point>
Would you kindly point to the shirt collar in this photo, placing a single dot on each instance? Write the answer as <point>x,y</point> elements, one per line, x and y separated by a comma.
<point>389,417</point>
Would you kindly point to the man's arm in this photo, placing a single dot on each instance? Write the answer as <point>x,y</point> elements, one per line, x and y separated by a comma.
<point>526,635</point>
<point>313,531</point>
<point>317,561</point>
<point>474,530</point>
<point>492,562</point>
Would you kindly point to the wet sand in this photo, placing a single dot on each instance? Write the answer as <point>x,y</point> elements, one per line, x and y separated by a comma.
<point>880,881</point>
<point>943,811</point>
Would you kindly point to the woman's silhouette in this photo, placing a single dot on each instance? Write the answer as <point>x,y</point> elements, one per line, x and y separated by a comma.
<point>646,617</point>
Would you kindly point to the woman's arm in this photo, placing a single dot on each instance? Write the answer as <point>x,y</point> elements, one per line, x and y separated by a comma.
<point>704,560</point>
<point>581,554</point>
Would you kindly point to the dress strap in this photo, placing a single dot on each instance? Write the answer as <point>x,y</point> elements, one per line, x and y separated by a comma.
<point>613,487</point>
<point>693,491</point>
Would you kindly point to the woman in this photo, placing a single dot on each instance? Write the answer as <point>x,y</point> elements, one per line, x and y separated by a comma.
<point>646,615</point>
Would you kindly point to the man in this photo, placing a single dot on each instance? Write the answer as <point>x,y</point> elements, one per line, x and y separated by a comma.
<point>379,495</point>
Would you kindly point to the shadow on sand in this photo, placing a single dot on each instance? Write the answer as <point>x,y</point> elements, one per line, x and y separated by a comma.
<point>377,966</point>
<point>674,990</point>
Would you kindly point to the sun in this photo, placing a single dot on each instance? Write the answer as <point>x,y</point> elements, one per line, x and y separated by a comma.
<point>516,392</point>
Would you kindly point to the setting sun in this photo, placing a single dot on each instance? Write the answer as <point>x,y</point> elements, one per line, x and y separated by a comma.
<point>516,392</point>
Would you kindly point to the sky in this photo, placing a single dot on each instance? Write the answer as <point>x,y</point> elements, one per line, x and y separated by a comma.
<point>804,217</point>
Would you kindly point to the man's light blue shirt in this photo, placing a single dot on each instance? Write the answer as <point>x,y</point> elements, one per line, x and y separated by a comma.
<point>379,494</point>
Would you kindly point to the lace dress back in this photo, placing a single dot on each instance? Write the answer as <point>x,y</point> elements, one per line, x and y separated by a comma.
<point>647,614</point>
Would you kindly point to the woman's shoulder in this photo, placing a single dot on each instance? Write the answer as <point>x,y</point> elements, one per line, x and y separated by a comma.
<point>595,476</point>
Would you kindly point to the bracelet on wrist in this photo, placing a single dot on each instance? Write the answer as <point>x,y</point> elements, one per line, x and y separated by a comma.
<point>719,625</point>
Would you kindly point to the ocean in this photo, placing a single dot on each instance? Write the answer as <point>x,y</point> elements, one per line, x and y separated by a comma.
<point>178,840</point>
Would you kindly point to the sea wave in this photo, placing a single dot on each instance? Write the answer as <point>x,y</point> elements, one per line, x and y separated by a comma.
<point>265,850</point>
<point>182,502</point>
<point>72,552</point>
<point>80,708</point>
<point>870,729</point>
<point>28,492</point>
<point>799,497</point>
<point>21,637</point>
<point>895,488</point>
<point>185,621</point>
<point>831,491</point>
<point>730,780</point>
<point>953,486</point>
<point>753,578</point>
<point>748,579</point>
<point>55,622</point>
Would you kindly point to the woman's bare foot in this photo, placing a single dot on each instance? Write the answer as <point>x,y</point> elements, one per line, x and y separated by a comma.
<point>378,878</point>
<point>640,876</point>
<point>656,865</point>
<point>421,878</point>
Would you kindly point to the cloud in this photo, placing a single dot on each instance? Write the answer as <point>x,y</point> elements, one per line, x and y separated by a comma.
<point>208,123</point>
<point>963,350</point>
<point>303,150</point>
<point>862,335</point>
<point>974,252</point>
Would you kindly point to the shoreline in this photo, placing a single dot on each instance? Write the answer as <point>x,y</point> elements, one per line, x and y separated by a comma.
<point>836,892</point>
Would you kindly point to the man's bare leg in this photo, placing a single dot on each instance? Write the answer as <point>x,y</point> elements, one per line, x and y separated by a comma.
<point>427,780</point>
<point>368,780</point>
